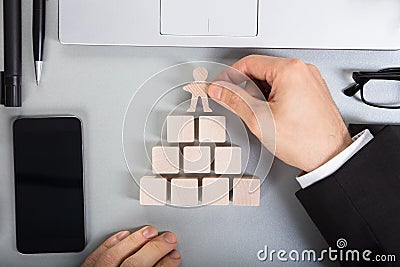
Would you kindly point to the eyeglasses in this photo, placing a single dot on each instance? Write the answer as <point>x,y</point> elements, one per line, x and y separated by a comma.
<point>378,88</point>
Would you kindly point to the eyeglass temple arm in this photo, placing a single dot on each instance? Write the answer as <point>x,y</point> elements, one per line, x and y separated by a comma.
<point>361,78</point>
<point>355,87</point>
<point>391,70</point>
<point>352,89</point>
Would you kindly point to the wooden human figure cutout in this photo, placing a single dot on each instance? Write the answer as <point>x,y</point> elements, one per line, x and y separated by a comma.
<point>198,88</point>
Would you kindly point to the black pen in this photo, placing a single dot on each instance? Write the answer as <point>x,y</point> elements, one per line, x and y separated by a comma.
<point>12,76</point>
<point>38,35</point>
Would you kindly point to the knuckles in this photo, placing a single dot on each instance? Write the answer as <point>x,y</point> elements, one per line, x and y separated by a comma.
<point>157,245</point>
<point>295,63</point>
<point>313,67</point>
<point>233,100</point>
<point>108,259</point>
<point>133,238</point>
<point>248,60</point>
<point>90,261</point>
<point>251,57</point>
<point>131,262</point>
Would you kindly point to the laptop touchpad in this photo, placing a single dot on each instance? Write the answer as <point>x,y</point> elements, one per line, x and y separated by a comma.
<point>209,17</point>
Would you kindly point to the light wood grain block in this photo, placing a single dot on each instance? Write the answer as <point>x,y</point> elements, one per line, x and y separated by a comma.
<point>197,159</point>
<point>215,191</point>
<point>212,129</point>
<point>228,160</point>
<point>246,191</point>
<point>165,160</point>
<point>153,191</point>
<point>184,192</point>
<point>180,129</point>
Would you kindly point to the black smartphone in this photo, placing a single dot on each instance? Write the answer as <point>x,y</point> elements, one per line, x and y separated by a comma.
<point>49,185</point>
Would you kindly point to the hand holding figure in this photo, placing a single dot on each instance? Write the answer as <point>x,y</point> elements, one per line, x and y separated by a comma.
<point>309,128</point>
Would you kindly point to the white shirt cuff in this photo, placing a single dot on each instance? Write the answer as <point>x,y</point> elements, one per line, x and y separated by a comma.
<point>359,141</point>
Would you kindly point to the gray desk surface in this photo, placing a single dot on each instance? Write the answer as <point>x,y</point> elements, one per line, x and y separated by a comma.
<point>96,83</point>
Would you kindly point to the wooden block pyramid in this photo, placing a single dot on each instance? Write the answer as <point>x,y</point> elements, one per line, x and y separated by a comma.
<point>197,160</point>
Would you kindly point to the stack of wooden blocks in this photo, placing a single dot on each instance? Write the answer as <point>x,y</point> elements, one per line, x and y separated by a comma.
<point>183,157</point>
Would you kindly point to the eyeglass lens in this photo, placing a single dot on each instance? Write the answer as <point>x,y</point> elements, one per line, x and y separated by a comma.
<point>383,93</point>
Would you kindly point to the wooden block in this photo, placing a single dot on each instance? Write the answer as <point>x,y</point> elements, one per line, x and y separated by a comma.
<point>153,191</point>
<point>165,160</point>
<point>180,129</point>
<point>212,129</point>
<point>184,192</point>
<point>246,191</point>
<point>197,159</point>
<point>215,191</point>
<point>228,160</point>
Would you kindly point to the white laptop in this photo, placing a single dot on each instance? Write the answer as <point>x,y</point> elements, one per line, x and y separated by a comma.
<point>325,24</point>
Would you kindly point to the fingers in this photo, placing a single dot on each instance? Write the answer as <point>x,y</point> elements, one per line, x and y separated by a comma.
<point>109,243</point>
<point>317,74</point>
<point>258,89</point>
<point>142,248</point>
<point>255,67</point>
<point>232,97</point>
<point>238,101</point>
<point>173,259</point>
<point>263,68</point>
<point>232,75</point>
<point>314,70</point>
<point>153,251</point>
<point>131,244</point>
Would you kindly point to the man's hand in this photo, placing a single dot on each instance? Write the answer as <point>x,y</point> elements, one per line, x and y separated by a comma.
<point>142,248</point>
<point>309,128</point>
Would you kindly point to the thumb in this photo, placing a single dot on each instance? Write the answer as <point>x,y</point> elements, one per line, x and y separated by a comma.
<point>252,111</point>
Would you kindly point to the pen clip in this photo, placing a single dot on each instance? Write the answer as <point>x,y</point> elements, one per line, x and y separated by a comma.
<point>2,88</point>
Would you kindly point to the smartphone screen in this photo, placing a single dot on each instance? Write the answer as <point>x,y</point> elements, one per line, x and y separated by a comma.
<point>49,193</point>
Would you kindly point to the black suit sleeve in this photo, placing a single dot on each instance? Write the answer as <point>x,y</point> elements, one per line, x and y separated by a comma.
<point>361,201</point>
